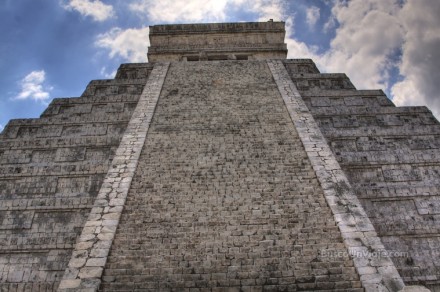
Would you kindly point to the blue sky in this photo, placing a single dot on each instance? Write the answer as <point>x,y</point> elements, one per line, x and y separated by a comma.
<point>53,48</point>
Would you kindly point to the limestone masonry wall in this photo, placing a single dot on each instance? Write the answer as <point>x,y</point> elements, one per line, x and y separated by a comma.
<point>224,196</point>
<point>84,271</point>
<point>256,40</point>
<point>375,268</point>
<point>51,169</point>
<point>392,158</point>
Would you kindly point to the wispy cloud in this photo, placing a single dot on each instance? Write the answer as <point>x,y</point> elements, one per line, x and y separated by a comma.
<point>33,87</point>
<point>330,24</point>
<point>95,9</point>
<point>107,74</point>
<point>312,16</point>
<point>129,44</point>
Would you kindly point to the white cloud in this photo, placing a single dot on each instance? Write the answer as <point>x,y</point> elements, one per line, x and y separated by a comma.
<point>178,10</point>
<point>32,87</point>
<point>420,56</point>
<point>95,9</point>
<point>312,15</point>
<point>1,127</point>
<point>173,11</point>
<point>295,48</point>
<point>130,44</point>
<point>370,35</point>
<point>367,35</point>
<point>266,9</point>
<point>106,74</point>
<point>407,93</point>
<point>330,24</point>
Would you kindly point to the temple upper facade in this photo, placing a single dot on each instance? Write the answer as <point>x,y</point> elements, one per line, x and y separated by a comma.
<point>217,41</point>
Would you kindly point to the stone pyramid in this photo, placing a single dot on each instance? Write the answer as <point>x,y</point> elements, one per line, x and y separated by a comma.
<point>221,165</point>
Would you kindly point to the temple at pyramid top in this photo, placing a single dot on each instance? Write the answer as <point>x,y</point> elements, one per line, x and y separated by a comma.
<point>217,41</point>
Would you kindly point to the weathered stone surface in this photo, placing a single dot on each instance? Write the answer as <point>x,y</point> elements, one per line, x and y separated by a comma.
<point>224,195</point>
<point>347,210</point>
<point>391,157</point>
<point>415,289</point>
<point>217,41</point>
<point>100,227</point>
<point>51,169</point>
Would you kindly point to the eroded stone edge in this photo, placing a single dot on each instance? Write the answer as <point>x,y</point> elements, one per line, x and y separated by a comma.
<point>89,257</point>
<point>377,273</point>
